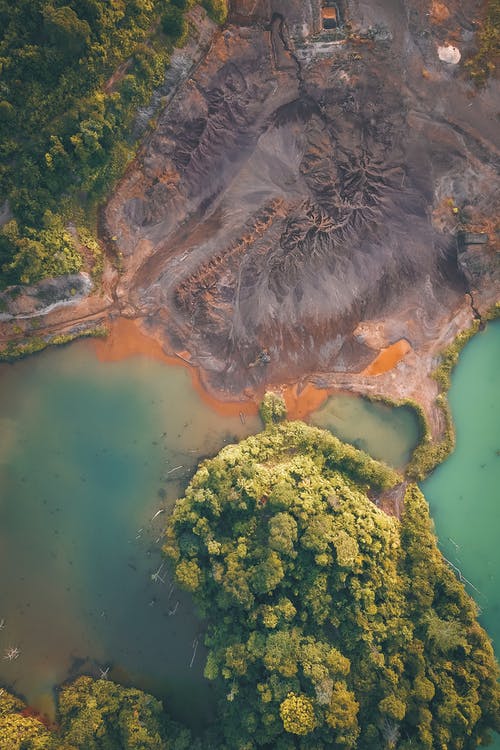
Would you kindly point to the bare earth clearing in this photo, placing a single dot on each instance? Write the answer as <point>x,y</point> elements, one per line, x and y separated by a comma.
<point>292,213</point>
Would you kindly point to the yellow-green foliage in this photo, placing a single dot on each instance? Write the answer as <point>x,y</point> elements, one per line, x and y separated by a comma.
<point>39,253</point>
<point>297,714</point>
<point>493,313</point>
<point>18,732</point>
<point>429,453</point>
<point>65,133</point>
<point>95,249</point>
<point>99,332</point>
<point>17,350</point>
<point>331,625</point>
<point>125,717</point>
<point>449,357</point>
<point>272,408</point>
<point>217,9</point>
<point>94,715</point>
<point>484,62</point>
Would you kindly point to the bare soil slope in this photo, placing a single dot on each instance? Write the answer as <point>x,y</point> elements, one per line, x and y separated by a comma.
<point>293,211</point>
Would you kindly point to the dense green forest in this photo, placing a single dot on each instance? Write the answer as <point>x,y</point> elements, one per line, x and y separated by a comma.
<point>330,624</point>
<point>94,715</point>
<point>65,124</point>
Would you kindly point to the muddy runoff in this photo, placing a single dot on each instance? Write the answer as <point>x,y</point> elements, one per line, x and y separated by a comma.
<point>295,212</point>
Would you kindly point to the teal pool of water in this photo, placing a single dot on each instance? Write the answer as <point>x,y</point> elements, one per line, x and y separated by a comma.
<point>89,452</point>
<point>464,492</point>
<point>387,433</point>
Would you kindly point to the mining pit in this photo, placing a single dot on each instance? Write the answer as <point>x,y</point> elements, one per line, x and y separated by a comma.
<point>300,210</point>
<point>290,189</point>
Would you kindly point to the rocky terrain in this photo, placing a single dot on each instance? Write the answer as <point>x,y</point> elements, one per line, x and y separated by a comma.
<point>296,208</point>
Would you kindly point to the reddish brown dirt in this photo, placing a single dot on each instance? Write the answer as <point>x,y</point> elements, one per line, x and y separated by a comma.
<point>288,194</point>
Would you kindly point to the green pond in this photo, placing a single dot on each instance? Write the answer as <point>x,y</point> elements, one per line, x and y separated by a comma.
<point>91,451</point>
<point>87,451</point>
<point>387,433</point>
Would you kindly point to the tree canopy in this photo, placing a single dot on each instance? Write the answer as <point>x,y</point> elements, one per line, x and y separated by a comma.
<point>94,715</point>
<point>331,624</point>
<point>72,75</point>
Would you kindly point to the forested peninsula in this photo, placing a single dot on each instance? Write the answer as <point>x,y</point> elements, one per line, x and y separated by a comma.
<point>330,624</point>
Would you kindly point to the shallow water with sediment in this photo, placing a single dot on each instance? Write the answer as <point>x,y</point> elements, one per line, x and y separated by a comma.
<point>92,457</point>
<point>93,453</point>
<point>387,433</point>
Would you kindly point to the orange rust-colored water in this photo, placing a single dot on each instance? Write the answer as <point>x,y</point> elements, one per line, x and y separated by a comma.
<point>126,339</point>
<point>388,358</point>
<point>301,402</point>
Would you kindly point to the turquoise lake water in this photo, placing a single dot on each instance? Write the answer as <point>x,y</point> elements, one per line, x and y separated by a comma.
<point>87,450</point>
<point>464,492</point>
<point>90,451</point>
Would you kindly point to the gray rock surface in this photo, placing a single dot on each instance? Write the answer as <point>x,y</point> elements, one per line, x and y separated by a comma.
<point>21,302</point>
<point>288,195</point>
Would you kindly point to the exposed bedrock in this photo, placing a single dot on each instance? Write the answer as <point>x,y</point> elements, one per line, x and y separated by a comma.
<point>286,196</point>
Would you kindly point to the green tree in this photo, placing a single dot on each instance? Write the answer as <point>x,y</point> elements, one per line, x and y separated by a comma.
<point>272,409</point>
<point>217,9</point>
<point>297,714</point>
<point>67,131</point>
<point>331,624</point>
<point>65,30</point>
<point>173,24</point>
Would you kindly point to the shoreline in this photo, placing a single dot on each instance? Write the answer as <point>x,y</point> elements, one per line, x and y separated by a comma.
<point>398,375</point>
<point>127,339</point>
<point>381,380</point>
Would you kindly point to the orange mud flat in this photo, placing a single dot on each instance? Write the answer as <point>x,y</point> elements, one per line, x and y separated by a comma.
<point>126,339</point>
<point>301,402</point>
<point>388,358</point>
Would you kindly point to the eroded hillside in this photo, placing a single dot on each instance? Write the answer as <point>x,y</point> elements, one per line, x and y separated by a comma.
<point>296,205</point>
<point>298,186</point>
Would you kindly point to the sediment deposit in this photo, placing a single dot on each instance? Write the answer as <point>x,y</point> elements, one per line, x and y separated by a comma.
<point>296,210</point>
<point>298,194</point>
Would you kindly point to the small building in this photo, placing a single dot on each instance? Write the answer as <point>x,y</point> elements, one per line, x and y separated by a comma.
<point>472,238</point>
<point>330,15</point>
